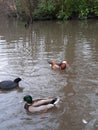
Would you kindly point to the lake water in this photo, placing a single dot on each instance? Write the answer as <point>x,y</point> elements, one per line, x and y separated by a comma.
<point>25,52</point>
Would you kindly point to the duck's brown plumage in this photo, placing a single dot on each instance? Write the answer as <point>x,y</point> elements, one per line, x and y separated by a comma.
<point>62,65</point>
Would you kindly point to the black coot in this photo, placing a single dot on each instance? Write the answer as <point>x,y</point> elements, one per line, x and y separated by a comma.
<point>8,84</point>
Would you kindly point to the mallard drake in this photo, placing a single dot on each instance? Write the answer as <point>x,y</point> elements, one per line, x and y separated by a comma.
<point>39,104</point>
<point>62,65</point>
<point>9,84</point>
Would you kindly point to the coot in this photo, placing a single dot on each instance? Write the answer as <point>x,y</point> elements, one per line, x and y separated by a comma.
<point>9,84</point>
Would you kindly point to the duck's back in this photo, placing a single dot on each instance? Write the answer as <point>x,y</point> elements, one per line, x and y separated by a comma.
<point>8,85</point>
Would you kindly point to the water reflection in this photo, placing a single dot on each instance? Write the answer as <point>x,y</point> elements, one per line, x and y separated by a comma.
<point>24,53</point>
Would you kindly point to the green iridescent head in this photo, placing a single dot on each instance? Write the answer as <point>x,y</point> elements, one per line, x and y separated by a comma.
<point>28,99</point>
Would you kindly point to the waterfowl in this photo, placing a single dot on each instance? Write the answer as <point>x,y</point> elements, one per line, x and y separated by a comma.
<point>39,104</point>
<point>27,24</point>
<point>9,84</point>
<point>62,65</point>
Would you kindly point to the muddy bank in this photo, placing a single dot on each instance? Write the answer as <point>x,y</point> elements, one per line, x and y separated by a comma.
<point>7,8</point>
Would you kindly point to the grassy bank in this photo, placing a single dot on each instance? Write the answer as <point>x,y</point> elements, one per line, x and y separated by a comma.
<point>56,9</point>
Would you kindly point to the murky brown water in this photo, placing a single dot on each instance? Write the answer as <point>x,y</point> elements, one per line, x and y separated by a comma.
<point>24,53</point>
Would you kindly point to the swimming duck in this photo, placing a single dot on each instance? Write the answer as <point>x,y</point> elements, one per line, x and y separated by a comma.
<point>39,104</point>
<point>9,84</point>
<point>62,65</point>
